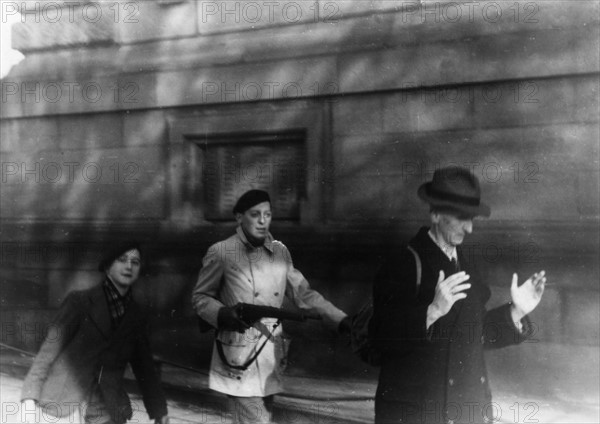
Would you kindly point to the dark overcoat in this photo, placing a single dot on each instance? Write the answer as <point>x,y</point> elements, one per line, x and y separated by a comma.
<point>439,374</point>
<point>83,353</point>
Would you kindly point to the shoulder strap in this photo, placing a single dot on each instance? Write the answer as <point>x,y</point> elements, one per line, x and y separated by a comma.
<point>418,262</point>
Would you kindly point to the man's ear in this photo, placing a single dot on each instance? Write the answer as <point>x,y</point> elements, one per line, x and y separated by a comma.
<point>435,217</point>
<point>238,217</point>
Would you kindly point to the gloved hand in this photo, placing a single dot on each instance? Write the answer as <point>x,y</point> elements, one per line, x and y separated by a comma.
<point>345,326</point>
<point>227,319</point>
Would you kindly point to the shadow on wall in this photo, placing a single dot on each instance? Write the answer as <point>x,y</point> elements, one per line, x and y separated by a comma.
<point>82,176</point>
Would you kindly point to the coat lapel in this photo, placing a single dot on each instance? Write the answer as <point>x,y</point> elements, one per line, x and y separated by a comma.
<point>131,318</point>
<point>100,314</point>
<point>98,311</point>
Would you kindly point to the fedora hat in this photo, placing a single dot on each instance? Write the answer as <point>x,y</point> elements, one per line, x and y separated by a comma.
<point>454,189</point>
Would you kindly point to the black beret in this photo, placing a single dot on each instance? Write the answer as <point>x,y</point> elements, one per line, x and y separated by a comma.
<point>249,199</point>
<point>115,252</point>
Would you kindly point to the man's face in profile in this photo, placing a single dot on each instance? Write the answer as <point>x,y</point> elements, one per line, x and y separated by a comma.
<point>453,227</point>
<point>256,220</point>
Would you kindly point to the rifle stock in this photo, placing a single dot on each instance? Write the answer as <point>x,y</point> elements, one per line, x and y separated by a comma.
<point>252,313</point>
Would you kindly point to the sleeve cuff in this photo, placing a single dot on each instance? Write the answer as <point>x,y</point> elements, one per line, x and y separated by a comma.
<point>523,328</point>
<point>519,326</point>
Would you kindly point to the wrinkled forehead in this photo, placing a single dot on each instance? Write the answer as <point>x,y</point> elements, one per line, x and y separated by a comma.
<point>456,217</point>
<point>453,213</point>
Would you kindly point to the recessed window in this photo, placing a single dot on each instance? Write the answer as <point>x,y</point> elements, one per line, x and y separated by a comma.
<point>229,165</point>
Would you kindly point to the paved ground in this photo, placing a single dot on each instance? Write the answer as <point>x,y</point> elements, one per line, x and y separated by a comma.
<point>305,401</point>
<point>181,413</point>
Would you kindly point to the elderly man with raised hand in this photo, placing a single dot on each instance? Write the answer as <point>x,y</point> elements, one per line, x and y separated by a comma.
<point>430,321</point>
<point>251,267</point>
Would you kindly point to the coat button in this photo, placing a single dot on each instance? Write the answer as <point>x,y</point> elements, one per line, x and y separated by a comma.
<point>276,293</point>
<point>451,382</point>
<point>256,294</point>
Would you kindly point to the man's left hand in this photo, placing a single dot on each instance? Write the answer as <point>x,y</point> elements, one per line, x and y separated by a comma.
<point>162,420</point>
<point>345,326</point>
<point>527,296</point>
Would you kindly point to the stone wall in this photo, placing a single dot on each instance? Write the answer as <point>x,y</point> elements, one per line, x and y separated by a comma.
<point>96,123</point>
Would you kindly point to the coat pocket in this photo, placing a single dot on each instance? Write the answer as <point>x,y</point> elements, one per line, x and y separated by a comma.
<point>237,348</point>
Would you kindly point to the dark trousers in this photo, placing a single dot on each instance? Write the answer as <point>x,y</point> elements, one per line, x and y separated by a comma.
<point>395,412</point>
<point>251,410</point>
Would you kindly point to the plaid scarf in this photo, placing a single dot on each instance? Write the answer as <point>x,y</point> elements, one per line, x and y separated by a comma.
<point>117,304</point>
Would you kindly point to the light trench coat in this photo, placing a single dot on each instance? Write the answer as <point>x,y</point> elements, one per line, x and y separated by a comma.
<point>235,271</point>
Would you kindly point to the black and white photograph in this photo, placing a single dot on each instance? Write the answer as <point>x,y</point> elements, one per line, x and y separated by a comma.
<point>300,211</point>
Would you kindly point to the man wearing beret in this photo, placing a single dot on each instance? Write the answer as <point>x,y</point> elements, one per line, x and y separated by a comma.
<point>251,267</point>
<point>430,323</point>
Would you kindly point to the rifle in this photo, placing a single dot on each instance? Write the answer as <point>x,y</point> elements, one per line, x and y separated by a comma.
<point>252,313</point>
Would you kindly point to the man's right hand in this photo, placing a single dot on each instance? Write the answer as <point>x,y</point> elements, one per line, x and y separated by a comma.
<point>447,292</point>
<point>29,414</point>
<point>227,319</point>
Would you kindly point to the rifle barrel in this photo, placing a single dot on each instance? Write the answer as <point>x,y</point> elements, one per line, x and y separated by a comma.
<point>252,313</point>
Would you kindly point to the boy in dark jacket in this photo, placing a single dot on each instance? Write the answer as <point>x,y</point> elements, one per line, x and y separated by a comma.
<point>96,333</point>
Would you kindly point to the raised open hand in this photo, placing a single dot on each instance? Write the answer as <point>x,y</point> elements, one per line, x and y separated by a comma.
<point>447,292</point>
<point>527,296</point>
